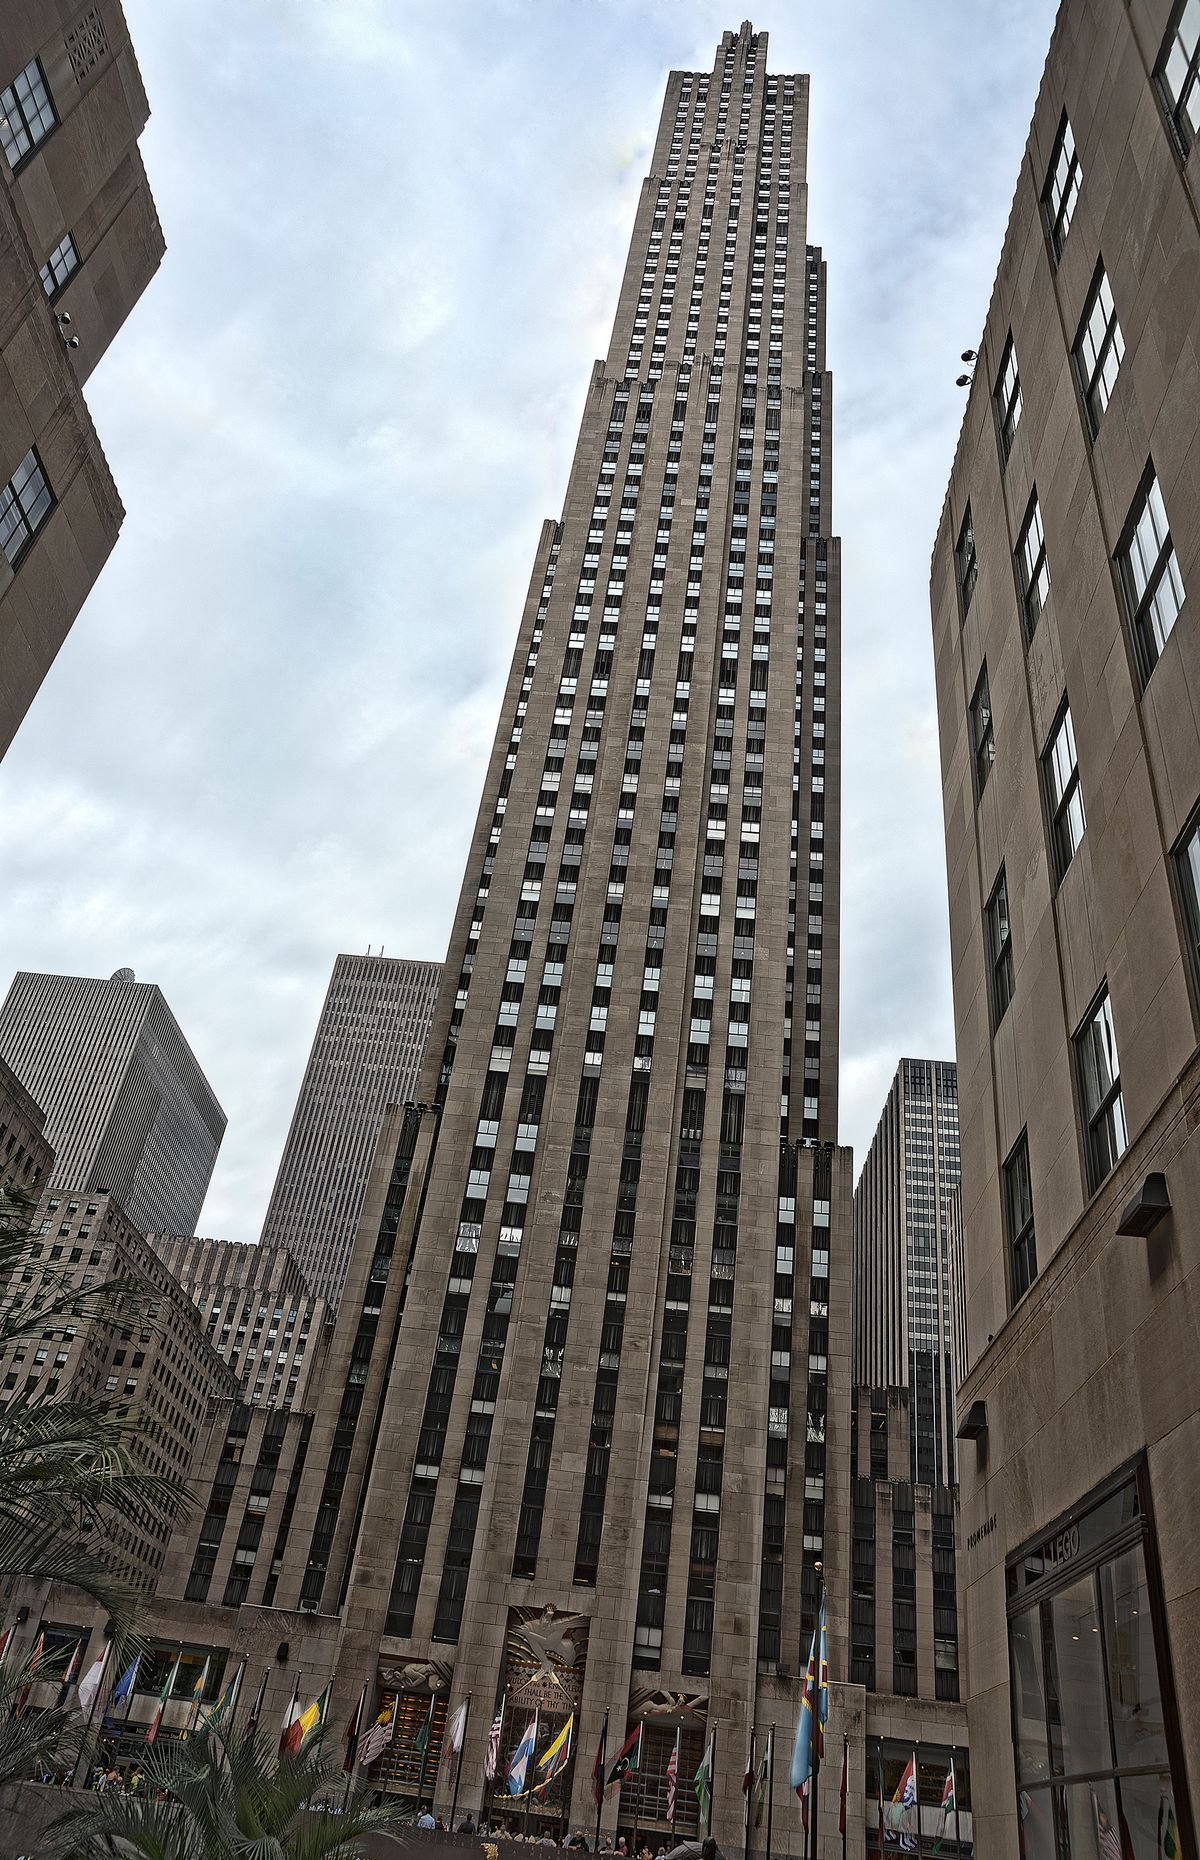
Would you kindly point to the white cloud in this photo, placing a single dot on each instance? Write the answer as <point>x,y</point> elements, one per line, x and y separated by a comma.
<point>337,420</point>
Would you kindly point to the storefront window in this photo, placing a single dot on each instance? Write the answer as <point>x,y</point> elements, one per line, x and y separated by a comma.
<point>926,1800</point>
<point>1091,1690</point>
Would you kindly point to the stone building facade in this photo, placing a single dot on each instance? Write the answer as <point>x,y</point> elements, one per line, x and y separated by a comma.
<point>1065,578</point>
<point>79,242</point>
<point>26,1158</point>
<point>366,1054</point>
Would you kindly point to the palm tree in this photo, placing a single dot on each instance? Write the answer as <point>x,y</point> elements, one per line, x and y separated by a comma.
<point>69,1469</point>
<point>215,1798</point>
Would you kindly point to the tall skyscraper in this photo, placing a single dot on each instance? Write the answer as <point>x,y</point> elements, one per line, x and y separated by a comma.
<point>610,1437</point>
<point>257,1311</point>
<point>902,1283</point>
<point>129,1113</point>
<point>79,242</point>
<point>1066,575</point>
<point>367,1054</point>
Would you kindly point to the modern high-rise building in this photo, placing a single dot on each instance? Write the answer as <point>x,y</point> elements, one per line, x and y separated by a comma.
<point>1065,583</point>
<point>367,1054</point>
<point>257,1310</point>
<point>611,1433</point>
<point>129,1113</point>
<point>79,242</point>
<point>902,1283</point>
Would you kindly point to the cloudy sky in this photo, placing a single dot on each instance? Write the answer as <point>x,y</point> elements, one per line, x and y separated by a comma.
<point>395,233</point>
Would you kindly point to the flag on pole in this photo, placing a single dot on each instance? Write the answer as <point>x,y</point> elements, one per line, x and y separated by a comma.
<point>598,1779</point>
<point>197,1697</point>
<point>822,1677</point>
<point>455,1730</point>
<point>5,1640</point>
<point>252,1721</point>
<point>152,1728</point>
<point>35,1660</point>
<point>493,1744</point>
<point>1169,1845</point>
<point>763,1778</point>
<point>805,1745</point>
<point>224,1706</point>
<point>672,1778</point>
<point>421,1740</point>
<point>68,1678</point>
<point>307,1723</point>
<point>947,1805</point>
<point>903,1800</point>
<point>289,1717</point>
<point>380,1734</point>
<point>350,1736</point>
<point>123,1688</point>
<point>555,1759</point>
<point>702,1781</point>
<point>628,1758</point>
<point>518,1767</point>
<point>882,1833</point>
<point>90,1684</point>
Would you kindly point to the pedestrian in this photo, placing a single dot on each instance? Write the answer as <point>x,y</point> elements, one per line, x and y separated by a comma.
<point>425,1819</point>
<point>467,1825</point>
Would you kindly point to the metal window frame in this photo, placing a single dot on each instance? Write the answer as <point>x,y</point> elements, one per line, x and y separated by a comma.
<point>1028,578</point>
<point>27,531</point>
<point>1090,381</point>
<point>1093,1120</point>
<point>1057,807</point>
<point>1191,86</point>
<point>966,569</point>
<point>989,734</point>
<point>1060,214</point>
<point>1022,1241</point>
<point>1000,955</point>
<point>1008,403</point>
<point>52,283</point>
<point>11,101</point>
<point>1145,646</point>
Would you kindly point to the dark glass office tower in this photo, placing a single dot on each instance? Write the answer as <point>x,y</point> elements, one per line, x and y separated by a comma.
<point>610,1427</point>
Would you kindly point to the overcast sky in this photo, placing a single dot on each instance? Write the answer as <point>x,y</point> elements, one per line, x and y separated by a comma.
<point>395,232</point>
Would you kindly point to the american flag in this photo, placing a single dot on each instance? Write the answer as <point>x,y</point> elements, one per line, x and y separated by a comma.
<point>493,1747</point>
<point>672,1776</point>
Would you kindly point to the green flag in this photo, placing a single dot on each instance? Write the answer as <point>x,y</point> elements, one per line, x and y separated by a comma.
<point>422,1738</point>
<point>703,1781</point>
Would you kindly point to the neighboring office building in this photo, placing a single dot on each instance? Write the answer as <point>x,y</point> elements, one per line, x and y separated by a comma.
<point>129,1113</point>
<point>367,1054</point>
<point>79,239</point>
<point>257,1310</point>
<point>902,1301</point>
<point>160,1364</point>
<point>26,1158</point>
<point>1066,583</point>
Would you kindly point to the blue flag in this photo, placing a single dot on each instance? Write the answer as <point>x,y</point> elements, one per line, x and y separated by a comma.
<point>802,1752</point>
<point>518,1769</point>
<point>125,1683</point>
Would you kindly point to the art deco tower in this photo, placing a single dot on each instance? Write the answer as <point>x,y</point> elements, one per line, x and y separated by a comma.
<point>603,1353</point>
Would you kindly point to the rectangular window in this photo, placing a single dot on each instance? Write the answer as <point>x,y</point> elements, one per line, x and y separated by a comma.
<point>1000,958</point>
<point>1179,72</point>
<point>1063,792</point>
<point>1150,574</point>
<point>1018,1210</point>
<point>58,267</point>
<point>1187,865</point>
<point>1033,570</point>
<point>1007,398</point>
<point>25,503</point>
<point>966,564</point>
<point>1099,347</point>
<point>983,741</point>
<point>1100,1084</point>
<point>26,114</point>
<point>1062,188</point>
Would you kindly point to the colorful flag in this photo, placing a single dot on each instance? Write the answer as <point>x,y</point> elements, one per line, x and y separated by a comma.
<point>598,1765</point>
<point>289,1718</point>
<point>421,1740</point>
<point>1169,1845</point>
<point>748,1772</point>
<point>804,1747</point>
<point>307,1723</point>
<point>455,1729</point>
<point>5,1640</point>
<point>702,1781</point>
<point>197,1697</point>
<point>904,1799</point>
<point>90,1684</point>
<point>627,1758</point>
<point>68,1678</point>
<point>763,1779</point>
<point>35,1660</point>
<point>493,1744</point>
<point>947,1804</point>
<point>822,1677</point>
<point>380,1734</point>
<point>882,1832</point>
<point>518,1767</point>
<point>672,1779</point>
<point>556,1758</point>
<point>153,1727</point>
<point>123,1688</point>
<point>252,1722</point>
<point>350,1737</point>
<point>224,1706</point>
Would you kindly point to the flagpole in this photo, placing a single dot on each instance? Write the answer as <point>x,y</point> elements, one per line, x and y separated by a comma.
<point>917,1797</point>
<point>529,1766</point>
<point>600,1792</point>
<point>770,1786</point>
<point>845,1806</point>
<point>462,1744</point>
<point>87,1729</point>
<point>954,1781</point>
<point>816,1770</point>
<point>489,1782</point>
<point>712,1777</point>
<point>362,1705</point>
<point>425,1753</point>
<point>749,1789</point>
<point>638,1798</point>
